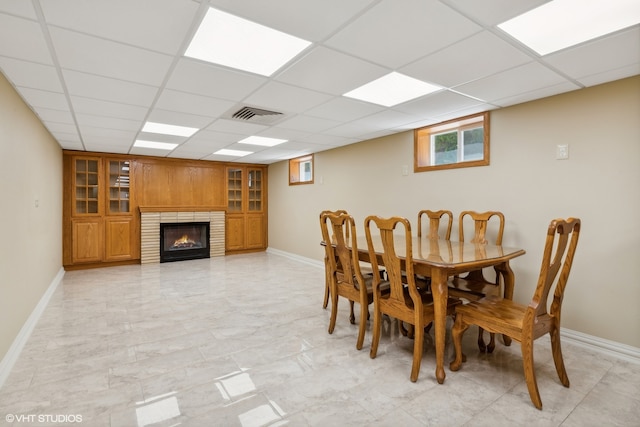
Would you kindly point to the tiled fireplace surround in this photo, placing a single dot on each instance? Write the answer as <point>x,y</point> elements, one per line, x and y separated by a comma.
<point>151,218</point>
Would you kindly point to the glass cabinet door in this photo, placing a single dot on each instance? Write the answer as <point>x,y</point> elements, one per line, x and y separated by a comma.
<point>255,190</point>
<point>119,186</point>
<point>234,190</point>
<point>86,186</point>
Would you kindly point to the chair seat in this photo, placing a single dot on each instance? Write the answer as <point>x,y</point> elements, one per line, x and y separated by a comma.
<point>471,289</point>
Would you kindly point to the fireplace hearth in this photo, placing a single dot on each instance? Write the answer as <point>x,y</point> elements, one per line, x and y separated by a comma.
<point>184,240</point>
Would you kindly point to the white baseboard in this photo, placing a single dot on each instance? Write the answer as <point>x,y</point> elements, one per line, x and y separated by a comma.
<point>612,348</point>
<point>23,336</point>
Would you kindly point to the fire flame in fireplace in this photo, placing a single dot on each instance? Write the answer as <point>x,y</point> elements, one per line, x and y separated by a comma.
<point>184,242</point>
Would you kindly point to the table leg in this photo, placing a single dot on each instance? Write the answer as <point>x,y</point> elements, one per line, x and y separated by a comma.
<point>509,283</point>
<point>440,294</point>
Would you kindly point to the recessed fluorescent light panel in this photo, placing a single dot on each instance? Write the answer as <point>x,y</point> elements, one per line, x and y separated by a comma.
<point>235,153</point>
<point>155,145</point>
<point>563,23</point>
<point>392,89</point>
<point>168,129</point>
<point>261,140</point>
<point>234,42</point>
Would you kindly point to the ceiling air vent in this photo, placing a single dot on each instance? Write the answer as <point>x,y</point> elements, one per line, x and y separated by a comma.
<point>255,115</point>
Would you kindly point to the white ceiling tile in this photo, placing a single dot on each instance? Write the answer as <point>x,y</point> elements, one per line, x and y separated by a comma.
<point>308,123</point>
<point>190,103</point>
<point>31,74</point>
<point>613,52</point>
<point>478,56</point>
<point>537,93</point>
<point>394,33</point>
<point>55,116</point>
<point>160,25</point>
<point>18,7</point>
<point>345,73</point>
<point>68,129</point>
<point>107,148</point>
<point>344,109</point>
<point>436,104</point>
<point>312,21</point>
<point>32,45</point>
<point>41,98</point>
<point>108,109</point>
<point>284,98</point>
<point>611,75</point>
<point>101,57</point>
<point>107,122</point>
<point>106,89</point>
<point>493,12</point>
<point>141,151</point>
<point>235,127</point>
<point>516,81</point>
<point>179,119</point>
<point>209,80</point>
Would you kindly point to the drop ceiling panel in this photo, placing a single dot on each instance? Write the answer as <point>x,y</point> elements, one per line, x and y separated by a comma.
<point>205,79</point>
<point>395,33</point>
<point>55,116</point>
<point>516,81</point>
<point>32,46</point>
<point>107,122</point>
<point>309,20</point>
<point>107,89</point>
<point>494,12</point>
<point>31,75</point>
<point>41,98</point>
<point>18,7</point>
<point>108,109</point>
<point>345,74</point>
<point>308,123</point>
<point>101,57</point>
<point>179,119</point>
<point>235,127</point>
<point>614,52</point>
<point>284,98</point>
<point>478,56</point>
<point>344,109</point>
<point>192,104</point>
<point>159,25</point>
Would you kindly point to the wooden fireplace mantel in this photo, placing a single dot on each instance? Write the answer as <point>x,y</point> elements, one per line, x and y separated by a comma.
<point>145,209</point>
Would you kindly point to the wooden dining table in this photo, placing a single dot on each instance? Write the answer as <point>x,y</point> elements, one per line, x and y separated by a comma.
<point>440,259</point>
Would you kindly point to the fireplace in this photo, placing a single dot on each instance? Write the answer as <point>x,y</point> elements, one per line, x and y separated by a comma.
<point>184,240</point>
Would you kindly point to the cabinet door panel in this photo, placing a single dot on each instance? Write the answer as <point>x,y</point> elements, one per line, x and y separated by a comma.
<point>87,241</point>
<point>255,232</point>
<point>235,233</point>
<point>118,239</point>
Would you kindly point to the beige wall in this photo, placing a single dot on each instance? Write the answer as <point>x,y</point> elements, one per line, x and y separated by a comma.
<point>31,238</point>
<point>599,183</point>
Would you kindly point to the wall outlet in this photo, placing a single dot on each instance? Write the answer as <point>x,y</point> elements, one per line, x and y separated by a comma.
<point>405,170</point>
<point>562,152</point>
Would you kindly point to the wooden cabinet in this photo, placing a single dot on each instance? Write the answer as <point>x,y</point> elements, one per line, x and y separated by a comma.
<point>99,222</point>
<point>105,193</point>
<point>246,208</point>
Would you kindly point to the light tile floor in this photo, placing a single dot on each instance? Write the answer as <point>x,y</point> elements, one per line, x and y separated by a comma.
<point>242,341</point>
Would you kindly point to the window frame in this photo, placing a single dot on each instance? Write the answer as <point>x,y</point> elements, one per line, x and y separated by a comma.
<point>422,151</point>
<point>295,174</point>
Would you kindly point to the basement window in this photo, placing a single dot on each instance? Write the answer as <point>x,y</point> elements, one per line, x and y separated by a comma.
<point>458,143</point>
<point>301,170</point>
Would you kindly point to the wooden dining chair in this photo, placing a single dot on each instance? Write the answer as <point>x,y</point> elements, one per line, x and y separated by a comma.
<point>434,231</point>
<point>435,218</point>
<point>326,265</point>
<point>526,323</point>
<point>404,302</point>
<point>344,273</point>
<point>474,285</point>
